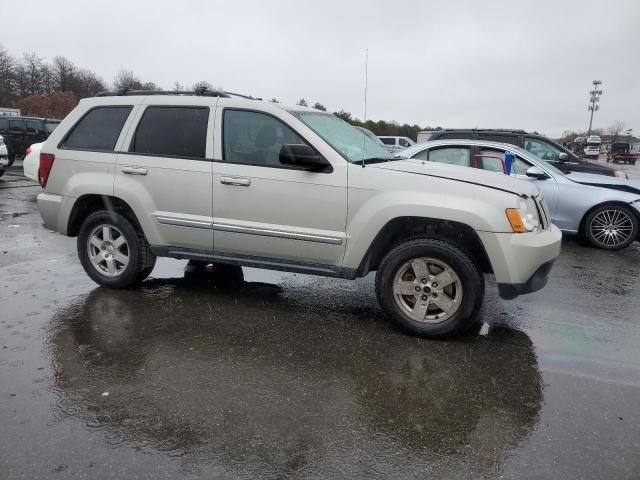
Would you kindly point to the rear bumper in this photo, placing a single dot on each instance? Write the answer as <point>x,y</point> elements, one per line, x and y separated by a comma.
<point>536,282</point>
<point>55,211</point>
<point>521,261</point>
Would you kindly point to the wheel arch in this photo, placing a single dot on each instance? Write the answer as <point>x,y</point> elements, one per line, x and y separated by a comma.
<point>87,204</point>
<point>616,203</point>
<point>401,229</point>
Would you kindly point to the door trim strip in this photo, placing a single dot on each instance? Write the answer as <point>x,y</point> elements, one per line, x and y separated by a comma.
<point>264,232</point>
<point>277,234</point>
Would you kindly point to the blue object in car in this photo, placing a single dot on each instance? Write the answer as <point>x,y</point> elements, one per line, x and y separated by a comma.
<point>508,161</point>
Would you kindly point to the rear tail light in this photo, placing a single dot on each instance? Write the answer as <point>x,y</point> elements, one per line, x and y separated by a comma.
<point>27,152</point>
<point>46,163</point>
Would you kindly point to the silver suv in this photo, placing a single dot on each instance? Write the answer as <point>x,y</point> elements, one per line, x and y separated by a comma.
<point>218,178</point>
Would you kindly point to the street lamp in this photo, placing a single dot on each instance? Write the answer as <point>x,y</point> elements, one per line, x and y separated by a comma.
<point>593,101</point>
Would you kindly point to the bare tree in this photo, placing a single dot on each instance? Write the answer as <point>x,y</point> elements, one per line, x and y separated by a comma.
<point>31,74</point>
<point>7,78</point>
<point>127,79</point>
<point>202,84</point>
<point>64,73</point>
<point>614,130</point>
<point>177,87</point>
<point>302,102</point>
<point>274,100</point>
<point>319,106</point>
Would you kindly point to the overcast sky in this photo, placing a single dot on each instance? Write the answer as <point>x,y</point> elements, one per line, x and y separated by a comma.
<point>516,64</point>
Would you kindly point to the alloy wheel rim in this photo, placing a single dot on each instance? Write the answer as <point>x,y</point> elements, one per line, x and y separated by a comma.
<point>427,290</point>
<point>108,250</point>
<point>611,227</point>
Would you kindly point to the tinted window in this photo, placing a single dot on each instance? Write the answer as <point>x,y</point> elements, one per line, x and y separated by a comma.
<point>496,137</point>
<point>34,127</point>
<point>255,138</point>
<point>541,149</point>
<point>16,126</point>
<point>99,129</point>
<point>172,132</point>
<point>453,135</point>
<point>450,155</point>
<point>388,141</point>
<point>3,125</point>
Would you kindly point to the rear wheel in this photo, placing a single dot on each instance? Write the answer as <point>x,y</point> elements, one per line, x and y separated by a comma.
<point>430,288</point>
<point>611,227</point>
<point>113,250</point>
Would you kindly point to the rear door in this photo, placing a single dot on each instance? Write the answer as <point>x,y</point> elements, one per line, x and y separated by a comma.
<point>165,171</point>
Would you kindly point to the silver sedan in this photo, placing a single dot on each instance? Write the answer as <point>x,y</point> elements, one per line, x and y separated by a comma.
<point>603,210</point>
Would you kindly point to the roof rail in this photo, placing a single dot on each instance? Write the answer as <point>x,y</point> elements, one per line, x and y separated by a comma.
<point>199,92</point>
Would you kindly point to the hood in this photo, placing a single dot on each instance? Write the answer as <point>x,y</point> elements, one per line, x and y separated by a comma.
<point>614,183</point>
<point>460,173</point>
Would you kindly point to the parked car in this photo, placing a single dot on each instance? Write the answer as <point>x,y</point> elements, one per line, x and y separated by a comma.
<point>4,157</point>
<point>289,193</point>
<point>371,135</point>
<point>545,148</point>
<point>604,210</point>
<point>31,161</point>
<point>621,152</point>
<point>395,144</point>
<point>21,132</point>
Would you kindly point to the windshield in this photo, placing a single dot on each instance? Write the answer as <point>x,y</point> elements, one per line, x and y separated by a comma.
<point>350,142</point>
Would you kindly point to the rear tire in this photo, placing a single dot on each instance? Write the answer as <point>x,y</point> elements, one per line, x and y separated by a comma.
<point>113,250</point>
<point>611,227</point>
<point>431,288</point>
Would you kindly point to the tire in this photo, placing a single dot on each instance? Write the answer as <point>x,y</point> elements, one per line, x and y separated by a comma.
<point>465,287</point>
<point>133,247</point>
<point>611,227</point>
<point>2,171</point>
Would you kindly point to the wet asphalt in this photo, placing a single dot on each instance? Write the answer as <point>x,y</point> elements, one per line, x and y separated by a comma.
<point>291,376</point>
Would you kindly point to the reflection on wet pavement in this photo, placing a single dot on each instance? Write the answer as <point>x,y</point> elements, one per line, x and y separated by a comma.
<point>265,383</point>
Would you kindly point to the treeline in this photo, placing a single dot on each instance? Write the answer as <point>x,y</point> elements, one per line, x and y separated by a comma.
<point>52,89</point>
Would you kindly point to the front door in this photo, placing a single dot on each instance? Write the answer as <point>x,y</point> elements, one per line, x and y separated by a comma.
<point>263,208</point>
<point>167,173</point>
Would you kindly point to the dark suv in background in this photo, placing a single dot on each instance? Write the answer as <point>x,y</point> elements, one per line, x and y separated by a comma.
<point>539,145</point>
<point>20,133</point>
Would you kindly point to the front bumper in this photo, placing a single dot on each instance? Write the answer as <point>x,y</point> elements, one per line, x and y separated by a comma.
<point>521,261</point>
<point>536,282</point>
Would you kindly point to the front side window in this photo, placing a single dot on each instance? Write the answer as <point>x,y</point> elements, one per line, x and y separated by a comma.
<point>541,149</point>
<point>34,127</point>
<point>172,132</point>
<point>346,139</point>
<point>491,160</point>
<point>255,138</point>
<point>451,155</point>
<point>404,143</point>
<point>98,130</point>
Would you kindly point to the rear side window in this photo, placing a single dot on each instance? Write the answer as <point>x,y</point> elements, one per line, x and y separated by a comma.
<point>98,130</point>
<point>388,141</point>
<point>3,125</point>
<point>16,127</point>
<point>172,132</point>
<point>493,137</point>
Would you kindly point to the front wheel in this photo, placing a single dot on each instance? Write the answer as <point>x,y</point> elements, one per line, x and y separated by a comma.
<point>113,251</point>
<point>611,227</point>
<point>431,288</point>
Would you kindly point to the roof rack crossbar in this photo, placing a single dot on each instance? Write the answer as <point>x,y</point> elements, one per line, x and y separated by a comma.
<point>200,92</point>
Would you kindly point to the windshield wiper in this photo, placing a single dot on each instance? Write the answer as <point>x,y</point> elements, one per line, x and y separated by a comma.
<point>380,160</point>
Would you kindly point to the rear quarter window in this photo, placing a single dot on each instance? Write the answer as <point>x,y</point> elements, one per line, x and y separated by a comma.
<point>98,130</point>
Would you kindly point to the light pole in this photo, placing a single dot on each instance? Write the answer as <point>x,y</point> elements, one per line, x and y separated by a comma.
<point>593,101</point>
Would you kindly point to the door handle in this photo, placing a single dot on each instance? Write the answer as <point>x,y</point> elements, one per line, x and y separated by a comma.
<point>237,181</point>
<point>134,170</point>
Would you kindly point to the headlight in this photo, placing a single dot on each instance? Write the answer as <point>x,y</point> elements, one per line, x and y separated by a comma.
<point>525,218</point>
<point>620,173</point>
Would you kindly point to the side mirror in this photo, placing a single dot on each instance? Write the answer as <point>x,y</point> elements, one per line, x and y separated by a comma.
<point>563,156</point>
<point>303,156</point>
<point>537,173</point>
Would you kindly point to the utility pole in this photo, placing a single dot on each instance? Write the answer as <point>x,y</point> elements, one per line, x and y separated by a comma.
<point>593,101</point>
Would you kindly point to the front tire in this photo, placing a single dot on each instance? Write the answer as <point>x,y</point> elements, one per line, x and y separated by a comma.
<point>431,288</point>
<point>113,250</point>
<point>611,227</point>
